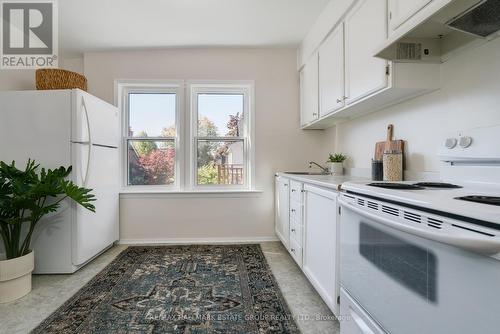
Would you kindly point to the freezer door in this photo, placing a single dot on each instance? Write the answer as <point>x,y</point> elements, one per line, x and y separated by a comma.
<point>93,232</point>
<point>94,120</point>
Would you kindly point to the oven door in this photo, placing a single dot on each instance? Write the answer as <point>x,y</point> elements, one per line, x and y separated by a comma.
<point>411,284</point>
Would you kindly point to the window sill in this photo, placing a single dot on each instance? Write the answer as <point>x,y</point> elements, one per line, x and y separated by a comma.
<point>220,193</point>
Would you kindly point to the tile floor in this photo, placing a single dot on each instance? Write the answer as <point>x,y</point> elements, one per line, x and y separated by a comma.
<point>50,291</point>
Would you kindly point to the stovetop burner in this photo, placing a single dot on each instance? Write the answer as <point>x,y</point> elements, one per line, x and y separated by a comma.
<point>490,200</point>
<point>397,186</point>
<point>440,185</point>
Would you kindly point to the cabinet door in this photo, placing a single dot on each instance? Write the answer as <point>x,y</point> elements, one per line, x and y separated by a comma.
<point>282,219</point>
<point>365,30</point>
<point>320,255</point>
<point>309,91</point>
<point>331,72</point>
<point>401,10</point>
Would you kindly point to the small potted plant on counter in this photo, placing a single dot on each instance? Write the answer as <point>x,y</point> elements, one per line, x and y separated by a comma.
<point>25,197</point>
<point>336,163</point>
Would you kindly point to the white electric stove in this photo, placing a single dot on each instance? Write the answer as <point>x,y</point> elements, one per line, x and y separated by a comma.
<point>423,257</point>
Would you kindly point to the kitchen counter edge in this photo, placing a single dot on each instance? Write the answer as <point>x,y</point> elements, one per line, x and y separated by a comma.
<point>325,181</point>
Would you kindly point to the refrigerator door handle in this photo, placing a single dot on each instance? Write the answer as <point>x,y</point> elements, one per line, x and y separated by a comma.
<point>89,142</point>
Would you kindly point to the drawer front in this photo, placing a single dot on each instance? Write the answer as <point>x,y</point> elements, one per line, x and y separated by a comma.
<point>296,211</point>
<point>356,321</point>
<point>296,252</point>
<point>296,232</point>
<point>296,191</point>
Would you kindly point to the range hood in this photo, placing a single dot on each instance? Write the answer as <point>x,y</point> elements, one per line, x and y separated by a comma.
<point>442,29</point>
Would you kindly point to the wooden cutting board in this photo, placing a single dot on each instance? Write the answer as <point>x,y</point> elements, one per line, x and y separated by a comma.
<point>388,144</point>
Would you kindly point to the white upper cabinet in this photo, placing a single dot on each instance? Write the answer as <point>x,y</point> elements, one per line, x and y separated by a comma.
<point>365,29</point>
<point>343,79</point>
<point>401,10</point>
<point>331,72</point>
<point>309,105</point>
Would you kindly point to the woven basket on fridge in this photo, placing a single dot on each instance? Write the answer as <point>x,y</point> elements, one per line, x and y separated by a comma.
<point>49,78</point>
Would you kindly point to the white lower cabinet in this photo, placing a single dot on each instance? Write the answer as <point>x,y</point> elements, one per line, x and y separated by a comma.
<point>296,231</point>
<point>296,251</point>
<point>282,211</point>
<point>320,255</point>
<point>354,319</point>
<point>306,223</point>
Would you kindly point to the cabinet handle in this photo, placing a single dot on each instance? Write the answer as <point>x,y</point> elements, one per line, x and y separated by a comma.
<point>315,114</point>
<point>292,250</point>
<point>302,191</point>
<point>293,230</point>
<point>293,190</point>
<point>339,100</point>
<point>293,210</point>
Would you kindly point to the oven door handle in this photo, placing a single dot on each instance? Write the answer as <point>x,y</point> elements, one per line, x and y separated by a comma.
<point>454,237</point>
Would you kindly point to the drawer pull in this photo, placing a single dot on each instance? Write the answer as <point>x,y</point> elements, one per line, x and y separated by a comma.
<point>293,210</point>
<point>293,230</point>
<point>293,190</point>
<point>292,250</point>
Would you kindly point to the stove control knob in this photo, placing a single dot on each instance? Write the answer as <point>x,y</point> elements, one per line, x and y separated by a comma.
<point>450,143</point>
<point>465,142</point>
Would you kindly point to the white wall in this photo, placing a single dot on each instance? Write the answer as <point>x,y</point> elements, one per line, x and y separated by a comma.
<point>470,97</point>
<point>17,79</point>
<point>280,145</point>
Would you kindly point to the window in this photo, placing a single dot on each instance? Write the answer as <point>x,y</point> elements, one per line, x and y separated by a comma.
<point>220,117</point>
<point>204,144</point>
<point>150,133</point>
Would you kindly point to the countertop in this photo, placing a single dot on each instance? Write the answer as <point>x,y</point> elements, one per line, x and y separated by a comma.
<point>326,181</point>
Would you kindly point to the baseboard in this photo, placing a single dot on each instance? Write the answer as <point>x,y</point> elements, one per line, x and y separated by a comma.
<point>193,241</point>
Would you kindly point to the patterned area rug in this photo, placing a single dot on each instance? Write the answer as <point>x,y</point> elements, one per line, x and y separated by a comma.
<point>178,289</point>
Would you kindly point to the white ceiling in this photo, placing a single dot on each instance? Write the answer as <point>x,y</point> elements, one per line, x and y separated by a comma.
<point>94,25</point>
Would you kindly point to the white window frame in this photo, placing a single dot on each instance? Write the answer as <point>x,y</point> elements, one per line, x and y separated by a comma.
<point>186,131</point>
<point>245,88</point>
<point>126,87</point>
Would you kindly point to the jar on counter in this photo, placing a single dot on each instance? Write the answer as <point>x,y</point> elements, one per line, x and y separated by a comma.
<point>393,166</point>
<point>377,170</point>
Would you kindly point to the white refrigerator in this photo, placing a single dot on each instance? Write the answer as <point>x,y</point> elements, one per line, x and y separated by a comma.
<point>63,128</point>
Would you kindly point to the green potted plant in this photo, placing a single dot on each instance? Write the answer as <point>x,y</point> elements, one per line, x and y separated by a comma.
<point>336,163</point>
<point>25,197</point>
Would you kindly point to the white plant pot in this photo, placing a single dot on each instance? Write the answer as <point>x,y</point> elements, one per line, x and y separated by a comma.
<point>15,277</point>
<point>336,168</point>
